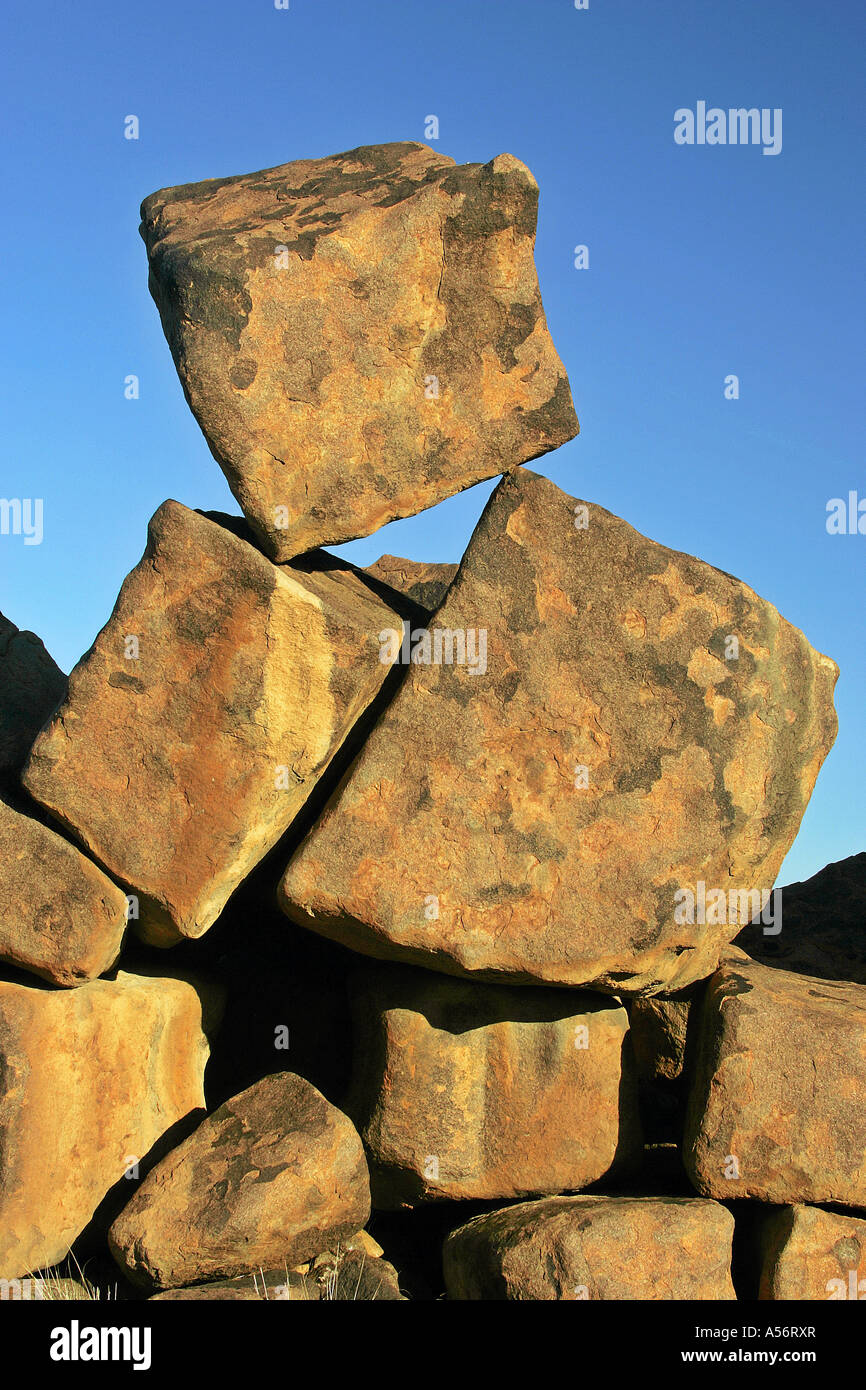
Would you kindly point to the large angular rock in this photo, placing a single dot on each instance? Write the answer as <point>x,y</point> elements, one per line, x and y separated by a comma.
<point>360,336</point>
<point>823,925</point>
<point>464,1090</point>
<point>427,584</point>
<point>93,1078</point>
<point>270,1179</point>
<point>807,1253</point>
<point>576,1248</point>
<point>60,916</point>
<point>777,1108</point>
<point>31,688</point>
<point>180,765</point>
<point>534,812</point>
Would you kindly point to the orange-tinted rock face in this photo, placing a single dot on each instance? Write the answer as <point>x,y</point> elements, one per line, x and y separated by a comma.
<point>205,712</point>
<point>811,1254</point>
<point>92,1079</point>
<point>31,688</point>
<point>270,1179</point>
<point>426,584</point>
<point>474,1091</point>
<point>576,1248</point>
<point>60,917</point>
<point>629,725</point>
<point>777,1108</point>
<point>360,336</point>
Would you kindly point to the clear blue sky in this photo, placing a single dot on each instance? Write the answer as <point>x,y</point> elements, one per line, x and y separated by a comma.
<point>704,261</point>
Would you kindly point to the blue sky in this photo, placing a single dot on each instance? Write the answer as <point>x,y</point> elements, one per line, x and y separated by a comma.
<point>703,261</point>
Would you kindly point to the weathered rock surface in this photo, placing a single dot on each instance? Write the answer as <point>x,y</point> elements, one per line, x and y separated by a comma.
<point>777,1108</point>
<point>31,687</point>
<point>178,767</point>
<point>659,1025</point>
<point>60,917</point>
<point>534,815</point>
<point>807,1253</point>
<point>360,336</point>
<point>575,1248</point>
<point>464,1090</point>
<point>92,1079</point>
<point>273,1177</point>
<point>823,925</point>
<point>427,584</point>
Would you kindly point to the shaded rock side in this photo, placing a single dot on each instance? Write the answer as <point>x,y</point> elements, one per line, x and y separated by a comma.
<point>535,811</point>
<point>777,1106</point>
<point>426,583</point>
<point>93,1078</point>
<point>464,1091</point>
<point>823,925</point>
<point>31,687</point>
<point>579,1248</point>
<point>272,1178</point>
<point>60,917</point>
<point>180,765</point>
<point>358,336</point>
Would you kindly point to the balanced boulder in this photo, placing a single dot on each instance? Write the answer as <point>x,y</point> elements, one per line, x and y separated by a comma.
<point>598,739</point>
<point>464,1090</point>
<point>60,916</point>
<point>272,1178</point>
<point>359,336</point>
<point>93,1078</point>
<point>205,712</point>
<point>777,1107</point>
<point>577,1248</point>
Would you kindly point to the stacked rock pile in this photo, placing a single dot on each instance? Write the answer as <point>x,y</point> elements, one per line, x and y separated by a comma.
<point>414,889</point>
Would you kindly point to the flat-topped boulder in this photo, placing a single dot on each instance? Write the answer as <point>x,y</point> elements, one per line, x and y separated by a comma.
<point>579,1248</point>
<point>463,1090</point>
<point>599,758</point>
<point>205,713</point>
<point>777,1105</point>
<point>358,336</point>
<point>93,1079</point>
<point>810,1254</point>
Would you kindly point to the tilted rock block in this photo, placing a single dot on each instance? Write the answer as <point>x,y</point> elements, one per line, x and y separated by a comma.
<point>204,714</point>
<point>31,688</point>
<point>360,336</point>
<point>576,1248</point>
<point>92,1079</point>
<point>60,917</point>
<point>426,584</point>
<point>777,1108</point>
<point>823,925</point>
<point>475,1091</point>
<point>270,1179</point>
<point>629,727</point>
<point>811,1254</point>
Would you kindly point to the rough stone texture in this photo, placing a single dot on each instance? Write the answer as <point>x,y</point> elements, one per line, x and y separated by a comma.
<point>31,688</point>
<point>823,925</point>
<point>575,1248</point>
<point>178,770</point>
<point>811,1254</point>
<point>779,1086</point>
<point>60,917</point>
<point>461,841</point>
<point>658,1032</point>
<point>464,1090</point>
<point>349,1277</point>
<point>427,584</point>
<point>310,369</point>
<point>92,1079</point>
<point>270,1179</point>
